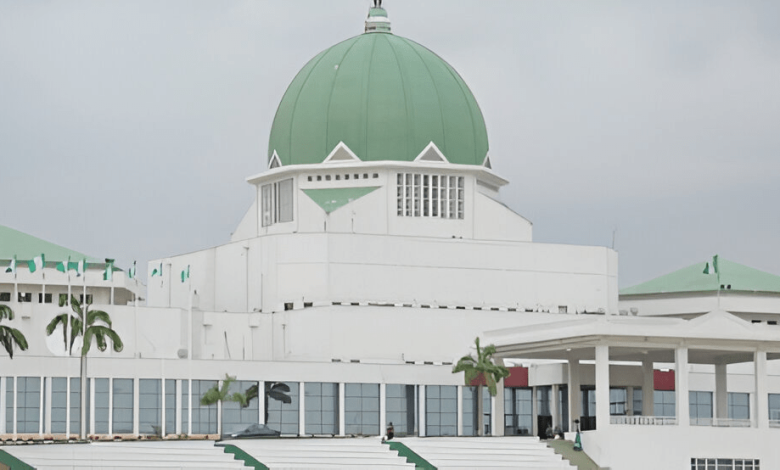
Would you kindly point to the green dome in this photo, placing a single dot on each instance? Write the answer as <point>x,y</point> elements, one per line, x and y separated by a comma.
<point>386,98</point>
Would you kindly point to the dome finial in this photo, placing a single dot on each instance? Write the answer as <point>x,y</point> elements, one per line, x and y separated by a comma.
<point>377,21</point>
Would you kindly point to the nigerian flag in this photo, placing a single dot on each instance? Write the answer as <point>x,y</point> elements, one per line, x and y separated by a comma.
<point>185,274</point>
<point>131,272</point>
<point>157,271</point>
<point>63,266</point>
<point>714,268</point>
<point>108,274</point>
<point>37,263</point>
<point>12,267</point>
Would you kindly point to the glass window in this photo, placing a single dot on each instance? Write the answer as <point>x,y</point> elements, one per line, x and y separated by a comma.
<point>277,202</point>
<point>75,406</point>
<point>563,407</point>
<point>267,205</point>
<point>422,195</point>
<point>28,404</point>
<point>700,407</point>
<point>282,405</point>
<point>470,411</point>
<point>122,406</point>
<point>286,200</point>
<point>774,406</point>
<point>234,416</point>
<point>150,406</point>
<point>664,403</point>
<point>361,409</point>
<point>204,418</point>
<point>101,405</point>
<point>322,408</point>
<point>9,404</point>
<point>739,405</point>
<point>401,402</point>
<point>59,403</point>
<point>518,411</point>
<point>638,403</point>
<point>617,401</point>
<point>170,406</point>
<point>441,410</point>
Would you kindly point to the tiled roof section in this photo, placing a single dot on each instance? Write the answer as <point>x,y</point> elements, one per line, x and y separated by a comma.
<point>692,279</point>
<point>26,247</point>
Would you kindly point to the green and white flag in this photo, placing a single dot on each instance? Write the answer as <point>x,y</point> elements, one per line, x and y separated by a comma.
<point>714,268</point>
<point>108,274</point>
<point>157,271</point>
<point>81,267</point>
<point>37,263</point>
<point>12,267</point>
<point>63,266</point>
<point>185,274</point>
<point>131,272</point>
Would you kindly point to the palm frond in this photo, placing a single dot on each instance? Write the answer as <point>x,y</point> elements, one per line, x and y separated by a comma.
<point>6,312</point>
<point>95,315</point>
<point>11,338</point>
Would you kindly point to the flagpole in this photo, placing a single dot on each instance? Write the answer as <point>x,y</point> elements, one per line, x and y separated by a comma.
<point>189,358</point>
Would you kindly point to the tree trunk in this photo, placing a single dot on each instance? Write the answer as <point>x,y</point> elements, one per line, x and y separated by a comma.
<point>480,412</point>
<point>83,432</point>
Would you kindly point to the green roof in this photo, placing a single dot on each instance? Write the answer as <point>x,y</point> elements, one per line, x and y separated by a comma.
<point>693,279</point>
<point>26,247</point>
<point>331,199</point>
<point>386,98</point>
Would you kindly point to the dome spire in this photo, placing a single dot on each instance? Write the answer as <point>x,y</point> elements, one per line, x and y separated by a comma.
<point>377,21</point>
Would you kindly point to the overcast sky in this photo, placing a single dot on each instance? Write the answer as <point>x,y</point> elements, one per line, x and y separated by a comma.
<point>127,128</point>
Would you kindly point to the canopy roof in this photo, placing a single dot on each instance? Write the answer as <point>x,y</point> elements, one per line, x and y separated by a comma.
<point>693,279</point>
<point>26,247</point>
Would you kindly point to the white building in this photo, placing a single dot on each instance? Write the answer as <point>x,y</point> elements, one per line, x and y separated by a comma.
<point>377,249</point>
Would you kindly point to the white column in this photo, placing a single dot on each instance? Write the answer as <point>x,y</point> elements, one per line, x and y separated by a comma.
<point>534,411</point>
<point>16,392</point>
<point>179,407</point>
<point>2,404</point>
<point>682,402</point>
<point>648,386</point>
<point>163,431</point>
<point>189,401</point>
<point>301,408</point>
<point>44,419</point>
<point>136,406</point>
<point>721,391</point>
<point>91,405</point>
<point>261,402</point>
<point>460,410</point>
<point>554,408</point>
<point>342,401</point>
<point>497,425</point>
<point>67,407</point>
<point>762,398</point>
<point>574,393</point>
<point>382,409</point>
<point>602,386</point>
<point>110,406</point>
<point>421,431</point>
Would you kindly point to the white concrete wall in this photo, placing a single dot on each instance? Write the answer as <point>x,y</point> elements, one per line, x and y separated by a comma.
<point>247,228</point>
<point>495,221</point>
<point>759,305</point>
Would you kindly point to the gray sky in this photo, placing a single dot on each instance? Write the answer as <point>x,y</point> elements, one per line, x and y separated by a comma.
<point>127,127</point>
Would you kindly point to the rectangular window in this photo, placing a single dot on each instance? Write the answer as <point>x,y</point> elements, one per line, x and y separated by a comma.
<point>28,404</point>
<point>739,405</point>
<point>518,411</point>
<point>423,195</point>
<point>401,402</point>
<point>617,401</point>
<point>441,410</point>
<point>75,405</point>
<point>122,409</point>
<point>470,411</point>
<point>282,405</point>
<point>44,298</point>
<point>277,202</point>
<point>89,299</point>
<point>322,408</point>
<point>664,403</point>
<point>9,404</point>
<point>58,404</point>
<point>150,407</point>
<point>638,403</point>
<point>361,409</point>
<point>700,408</point>
<point>725,464</point>
<point>170,406</point>
<point>204,418</point>
<point>25,297</point>
<point>101,405</point>
<point>774,406</point>
<point>5,296</point>
<point>234,416</point>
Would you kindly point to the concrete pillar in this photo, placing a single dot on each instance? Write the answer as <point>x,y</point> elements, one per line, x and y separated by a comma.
<point>163,430</point>
<point>137,406</point>
<point>15,401</point>
<point>682,402</point>
<point>460,410</point>
<point>302,408</point>
<point>45,405</point>
<point>497,426</point>
<point>648,386</point>
<point>534,411</point>
<point>762,398</point>
<point>574,393</point>
<point>721,392</point>
<point>554,408</point>
<point>602,386</point>
<point>91,405</point>
<point>261,402</point>
<point>382,409</point>
<point>421,432</point>
<point>178,406</point>
<point>342,414</point>
<point>111,405</point>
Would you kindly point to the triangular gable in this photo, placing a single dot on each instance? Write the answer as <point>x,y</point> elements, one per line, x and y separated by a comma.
<point>487,163</point>
<point>26,247</point>
<point>341,153</point>
<point>431,153</point>
<point>330,199</point>
<point>718,321</point>
<point>274,162</point>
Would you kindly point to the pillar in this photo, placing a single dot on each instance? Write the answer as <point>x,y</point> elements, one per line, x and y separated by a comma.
<point>721,392</point>
<point>460,410</point>
<point>382,408</point>
<point>602,386</point>
<point>421,432</point>
<point>574,393</point>
<point>342,414</point>
<point>534,411</point>
<point>682,402</point>
<point>554,408</point>
<point>648,386</point>
<point>498,409</point>
<point>137,406</point>
<point>762,399</point>
<point>91,405</point>
<point>302,408</point>
<point>179,407</point>
<point>261,402</point>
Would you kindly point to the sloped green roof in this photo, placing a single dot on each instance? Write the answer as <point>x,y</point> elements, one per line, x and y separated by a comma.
<point>26,247</point>
<point>331,199</point>
<point>692,279</point>
<point>386,98</point>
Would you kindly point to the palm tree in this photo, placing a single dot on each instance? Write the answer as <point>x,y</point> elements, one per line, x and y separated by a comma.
<point>98,327</point>
<point>276,390</point>
<point>10,337</point>
<point>482,369</point>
